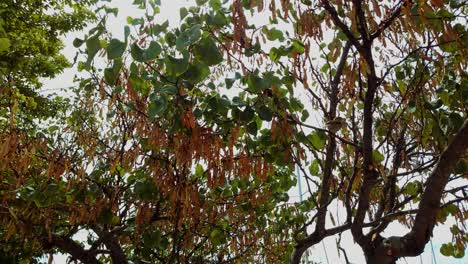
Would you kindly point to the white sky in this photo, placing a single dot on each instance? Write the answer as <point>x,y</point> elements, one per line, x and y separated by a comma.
<point>170,11</point>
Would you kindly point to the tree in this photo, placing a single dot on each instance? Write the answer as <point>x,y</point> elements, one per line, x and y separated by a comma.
<point>30,45</point>
<point>395,71</point>
<point>183,148</point>
<point>150,162</point>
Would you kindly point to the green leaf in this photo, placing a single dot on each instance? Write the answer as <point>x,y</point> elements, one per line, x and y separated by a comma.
<point>412,107</point>
<point>412,188</point>
<point>332,219</point>
<point>296,105</point>
<point>4,45</point>
<point>114,11</point>
<point>252,128</point>
<point>138,83</point>
<point>377,156</point>
<point>141,55</point>
<point>265,113</point>
<point>317,139</point>
<point>325,68</point>
<point>137,53</point>
<point>135,21</point>
<point>199,171</point>
<point>110,74</point>
<point>452,209</point>
<point>152,238</point>
<point>188,37</point>
<point>77,42</point>
<point>400,75</point>
<point>175,66</point>
<point>115,49</point>
<point>126,33</point>
<point>170,39</point>
<point>153,51</point>
<point>92,47</point>
<point>459,252</point>
<point>298,46</point>
<point>256,84</point>
<point>248,114</point>
<point>196,73</point>
<point>108,217</point>
<point>450,47</point>
<point>159,28</point>
<point>456,121</point>
<point>145,190</point>
<point>215,4</point>
<point>446,249</point>
<point>170,89</point>
<point>183,13</point>
<point>434,104</point>
<point>219,19</point>
<point>157,106</point>
<point>216,236</point>
<point>275,54</point>
<point>229,82</point>
<point>140,188</point>
<point>273,34</point>
<point>305,115</point>
<point>314,168</point>
<point>207,52</point>
<point>342,36</point>
<point>201,2</point>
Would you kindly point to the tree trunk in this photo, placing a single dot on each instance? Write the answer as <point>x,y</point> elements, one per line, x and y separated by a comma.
<point>297,254</point>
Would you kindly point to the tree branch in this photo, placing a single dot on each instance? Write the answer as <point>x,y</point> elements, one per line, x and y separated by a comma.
<point>435,185</point>
<point>370,176</point>
<point>388,22</point>
<point>71,247</point>
<point>341,25</point>
<point>108,238</point>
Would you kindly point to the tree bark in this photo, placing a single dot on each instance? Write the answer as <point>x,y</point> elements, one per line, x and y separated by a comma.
<point>302,246</point>
<point>116,252</point>
<point>71,247</point>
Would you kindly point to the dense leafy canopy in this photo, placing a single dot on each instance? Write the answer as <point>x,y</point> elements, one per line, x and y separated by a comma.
<point>182,148</point>
<point>30,45</point>
<point>150,163</point>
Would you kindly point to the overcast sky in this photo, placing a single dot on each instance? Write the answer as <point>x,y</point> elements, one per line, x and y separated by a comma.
<point>170,11</point>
